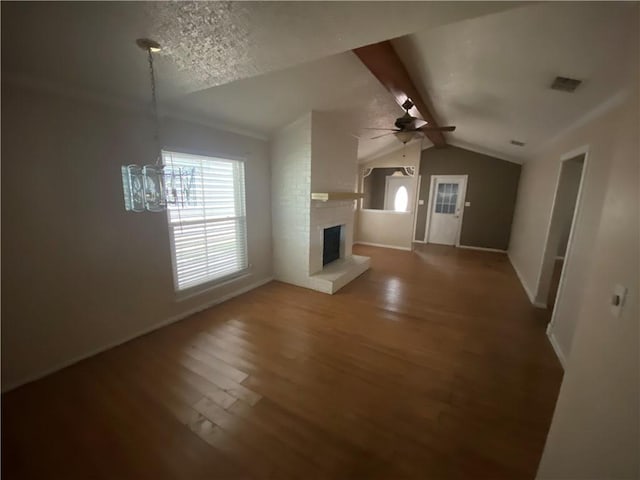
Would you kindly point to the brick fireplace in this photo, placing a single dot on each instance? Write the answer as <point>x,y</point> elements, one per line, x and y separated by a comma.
<point>313,155</point>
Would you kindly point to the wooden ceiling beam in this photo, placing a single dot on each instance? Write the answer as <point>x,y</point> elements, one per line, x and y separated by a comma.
<point>384,63</point>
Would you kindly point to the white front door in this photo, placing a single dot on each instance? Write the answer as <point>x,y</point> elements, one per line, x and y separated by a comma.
<point>446,206</point>
<point>397,194</point>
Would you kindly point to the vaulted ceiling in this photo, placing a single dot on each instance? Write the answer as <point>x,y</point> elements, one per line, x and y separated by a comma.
<point>257,66</point>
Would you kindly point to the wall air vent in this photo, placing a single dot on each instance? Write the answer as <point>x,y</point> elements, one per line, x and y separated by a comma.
<point>565,84</point>
<point>518,143</point>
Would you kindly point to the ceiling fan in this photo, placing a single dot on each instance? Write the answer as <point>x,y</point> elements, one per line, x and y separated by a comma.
<point>408,126</point>
<point>384,63</point>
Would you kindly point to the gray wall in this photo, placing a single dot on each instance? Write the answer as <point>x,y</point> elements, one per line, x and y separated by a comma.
<point>491,189</point>
<point>374,187</point>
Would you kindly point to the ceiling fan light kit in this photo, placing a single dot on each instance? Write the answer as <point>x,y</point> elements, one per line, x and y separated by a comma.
<point>405,137</point>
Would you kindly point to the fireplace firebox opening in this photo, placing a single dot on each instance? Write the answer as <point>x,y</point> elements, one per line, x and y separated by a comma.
<point>331,245</point>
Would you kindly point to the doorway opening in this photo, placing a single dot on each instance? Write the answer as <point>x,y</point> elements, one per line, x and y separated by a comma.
<point>561,231</point>
<point>445,209</point>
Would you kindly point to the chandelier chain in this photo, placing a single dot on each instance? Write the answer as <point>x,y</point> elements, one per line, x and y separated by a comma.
<point>154,102</point>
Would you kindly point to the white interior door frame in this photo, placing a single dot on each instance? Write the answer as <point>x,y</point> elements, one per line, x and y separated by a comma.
<point>387,197</point>
<point>584,150</point>
<point>462,195</point>
<point>416,202</point>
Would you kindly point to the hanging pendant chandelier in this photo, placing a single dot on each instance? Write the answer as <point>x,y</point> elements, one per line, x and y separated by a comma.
<point>155,187</point>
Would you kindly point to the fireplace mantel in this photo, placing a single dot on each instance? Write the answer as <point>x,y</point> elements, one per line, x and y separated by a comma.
<point>328,196</point>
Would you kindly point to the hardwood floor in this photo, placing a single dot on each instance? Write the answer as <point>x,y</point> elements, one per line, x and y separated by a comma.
<point>431,365</point>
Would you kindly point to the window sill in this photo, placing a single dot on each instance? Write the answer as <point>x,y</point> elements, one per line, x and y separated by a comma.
<point>191,292</point>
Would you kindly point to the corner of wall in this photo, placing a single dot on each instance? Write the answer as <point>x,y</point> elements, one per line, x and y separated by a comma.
<point>523,282</point>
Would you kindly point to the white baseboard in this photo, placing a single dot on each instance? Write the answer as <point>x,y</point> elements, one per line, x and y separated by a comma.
<point>144,331</point>
<point>369,244</point>
<point>557,349</point>
<point>483,249</point>
<point>418,241</point>
<point>532,297</point>
<point>559,258</point>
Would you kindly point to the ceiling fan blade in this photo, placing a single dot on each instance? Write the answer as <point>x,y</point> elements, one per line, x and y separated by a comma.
<point>383,135</point>
<point>384,63</point>
<point>437,129</point>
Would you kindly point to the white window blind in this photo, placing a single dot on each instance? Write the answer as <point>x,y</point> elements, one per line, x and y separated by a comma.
<point>208,227</point>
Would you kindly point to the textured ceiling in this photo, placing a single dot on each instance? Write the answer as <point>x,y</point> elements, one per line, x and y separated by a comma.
<point>259,65</point>
<point>338,84</point>
<point>219,42</point>
<point>92,44</point>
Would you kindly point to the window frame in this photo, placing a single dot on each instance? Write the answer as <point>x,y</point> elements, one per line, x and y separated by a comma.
<point>200,288</point>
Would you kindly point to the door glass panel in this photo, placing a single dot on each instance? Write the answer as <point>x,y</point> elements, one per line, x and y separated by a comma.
<point>453,198</point>
<point>446,198</point>
<point>440,197</point>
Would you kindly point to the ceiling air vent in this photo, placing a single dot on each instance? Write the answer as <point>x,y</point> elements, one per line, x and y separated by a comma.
<point>565,84</point>
<point>518,143</point>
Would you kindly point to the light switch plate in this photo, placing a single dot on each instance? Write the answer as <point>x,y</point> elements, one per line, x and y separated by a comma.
<point>420,202</point>
<point>467,204</point>
<point>618,296</point>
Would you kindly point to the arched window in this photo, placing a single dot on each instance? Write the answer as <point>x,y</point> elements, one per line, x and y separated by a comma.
<point>401,200</point>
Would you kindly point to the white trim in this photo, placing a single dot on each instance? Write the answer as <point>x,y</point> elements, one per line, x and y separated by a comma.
<point>220,126</point>
<point>558,257</point>
<point>605,107</point>
<point>483,249</point>
<point>576,152</point>
<point>415,208</point>
<point>461,198</point>
<point>429,206</point>
<point>557,349</point>
<point>584,150</point>
<point>203,288</point>
<point>385,200</point>
<point>548,229</point>
<point>486,151</point>
<point>521,278</point>
<point>382,245</point>
<point>418,241</point>
<point>139,333</point>
<point>88,96</point>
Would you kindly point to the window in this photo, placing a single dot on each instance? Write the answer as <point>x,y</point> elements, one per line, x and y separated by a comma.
<point>447,198</point>
<point>401,201</point>
<point>208,228</point>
